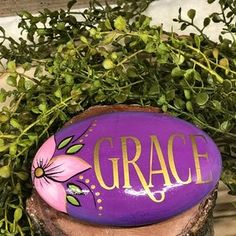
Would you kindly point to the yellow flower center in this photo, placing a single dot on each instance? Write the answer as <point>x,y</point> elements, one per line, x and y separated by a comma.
<point>39,172</point>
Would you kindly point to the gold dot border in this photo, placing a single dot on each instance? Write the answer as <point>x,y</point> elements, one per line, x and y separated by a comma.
<point>89,131</point>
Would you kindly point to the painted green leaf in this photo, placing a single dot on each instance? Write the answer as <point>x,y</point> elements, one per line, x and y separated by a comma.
<point>74,149</point>
<point>64,142</point>
<point>72,200</point>
<point>75,189</point>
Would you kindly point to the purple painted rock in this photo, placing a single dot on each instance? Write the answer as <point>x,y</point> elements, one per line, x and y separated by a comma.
<point>126,168</point>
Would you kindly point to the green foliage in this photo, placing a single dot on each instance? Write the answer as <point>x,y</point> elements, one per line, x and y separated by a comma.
<point>113,56</point>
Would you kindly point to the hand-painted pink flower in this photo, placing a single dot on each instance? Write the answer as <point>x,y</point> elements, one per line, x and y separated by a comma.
<point>48,174</point>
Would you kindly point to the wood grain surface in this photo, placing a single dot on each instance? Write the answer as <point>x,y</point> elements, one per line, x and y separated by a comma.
<point>11,7</point>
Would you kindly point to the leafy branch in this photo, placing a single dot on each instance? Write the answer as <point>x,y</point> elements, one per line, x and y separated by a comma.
<point>112,56</point>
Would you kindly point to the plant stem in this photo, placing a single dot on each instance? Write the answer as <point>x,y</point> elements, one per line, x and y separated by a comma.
<point>200,122</point>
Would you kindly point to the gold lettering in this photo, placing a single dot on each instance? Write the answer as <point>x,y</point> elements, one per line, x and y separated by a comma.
<point>127,162</point>
<point>172,161</point>
<point>196,156</point>
<point>97,167</point>
<point>163,170</point>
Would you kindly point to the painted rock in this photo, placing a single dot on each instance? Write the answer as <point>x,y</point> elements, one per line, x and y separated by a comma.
<point>126,168</point>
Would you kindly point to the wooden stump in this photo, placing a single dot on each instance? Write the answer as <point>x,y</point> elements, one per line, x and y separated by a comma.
<point>196,221</point>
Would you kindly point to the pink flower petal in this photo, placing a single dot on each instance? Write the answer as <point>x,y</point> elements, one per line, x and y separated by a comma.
<point>53,193</point>
<point>44,153</point>
<point>63,167</point>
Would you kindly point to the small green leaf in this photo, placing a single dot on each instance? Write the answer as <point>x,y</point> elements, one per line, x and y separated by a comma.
<point>162,100</point>
<point>17,214</point>
<point>154,90</point>
<point>58,93</point>
<point>108,64</point>
<point>114,56</point>
<point>217,105</point>
<point>28,84</point>
<point>224,62</point>
<point>108,24</point>
<point>2,143</point>
<point>183,26</point>
<point>83,39</point>
<point>187,94</point>
<point>22,175</point>
<point>206,21</point>
<point>179,103</point>
<point>14,122</point>
<point>21,83</point>
<point>64,142</point>
<point>92,32</point>
<point>202,98</point>
<point>43,107</point>
<point>109,38</point>
<point>227,85</point>
<point>164,108</point>
<point>215,53</point>
<point>131,72</point>
<point>11,66</point>
<point>11,80</point>
<point>3,118</point>
<point>26,66</point>
<point>144,37</point>
<point>191,13</point>
<point>75,189</point>
<point>13,149</point>
<point>150,47</point>
<point>170,95</point>
<point>3,95</point>
<point>69,79</point>
<point>197,40</point>
<point>74,149</point>
<point>41,31</point>
<point>177,72</point>
<point>225,126</point>
<point>73,201</point>
<point>5,172</point>
<point>189,106</point>
<point>61,25</point>
<point>178,59</point>
<point>120,23</point>
<point>216,17</point>
<point>120,98</point>
<point>2,149</point>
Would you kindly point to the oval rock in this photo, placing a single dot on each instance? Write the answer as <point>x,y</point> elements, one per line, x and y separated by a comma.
<point>126,168</point>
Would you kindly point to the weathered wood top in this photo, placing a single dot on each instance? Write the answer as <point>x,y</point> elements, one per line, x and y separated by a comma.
<point>11,7</point>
